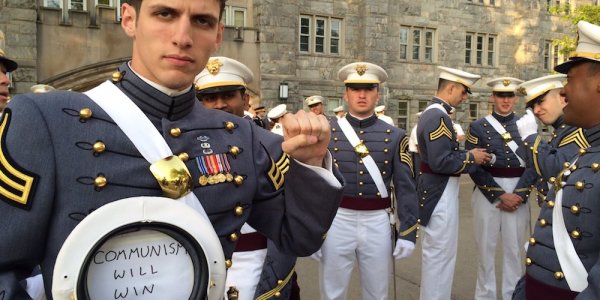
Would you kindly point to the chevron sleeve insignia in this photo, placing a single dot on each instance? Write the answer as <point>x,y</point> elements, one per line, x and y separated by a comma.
<point>577,137</point>
<point>405,155</point>
<point>278,169</point>
<point>471,138</point>
<point>16,184</point>
<point>441,131</point>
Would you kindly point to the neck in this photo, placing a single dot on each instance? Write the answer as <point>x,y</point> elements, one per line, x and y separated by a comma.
<point>165,90</point>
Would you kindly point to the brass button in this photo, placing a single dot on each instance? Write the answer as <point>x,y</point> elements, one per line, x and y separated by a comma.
<point>233,237</point>
<point>175,132</point>
<point>573,167</point>
<point>580,185</point>
<point>582,151</point>
<point>378,194</point>
<point>229,125</point>
<point>532,241</point>
<point>388,131</point>
<point>383,172</point>
<point>360,162</point>
<point>100,181</point>
<point>333,129</point>
<point>361,172</point>
<point>575,209</point>
<point>385,150</point>
<point>277,294</point>
<point>361,132</point>
<point>552,180</point>
<point>228,263</point>
<point>335,139</point>
<point>239,180</point>
<point>543,222</point>
<point>386,162</point>
<point>595,167</point>
<point>184,156</point>
<point>559,275</point>
<point>234,151</point>
<point>386,140</point>
<point>360,183</point>
<point>566,164</point>
<point>575,234</point>
<point>551,204</point>
<point>238,211</point>
<point>116,76</point>
<point>99,147</point>
<point>279,282</point>
<point>336,149</point>
<point>360,194</point>
<point>528,261</point>
<point>85,114</point>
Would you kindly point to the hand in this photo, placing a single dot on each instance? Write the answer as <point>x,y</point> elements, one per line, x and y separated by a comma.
<point>527,125</point>
<point>480,156</point>
<point>509,202</point>
<point>403,249</point>
<point>317,255</point>
<point>306,137</point>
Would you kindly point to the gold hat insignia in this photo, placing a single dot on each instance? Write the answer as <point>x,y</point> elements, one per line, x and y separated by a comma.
<point>506,82</point>
<point>361,69</point>
<point>214,66</point>
<point>522,91</point>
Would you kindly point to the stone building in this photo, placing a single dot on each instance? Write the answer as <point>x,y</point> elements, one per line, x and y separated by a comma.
<point>295,47</point>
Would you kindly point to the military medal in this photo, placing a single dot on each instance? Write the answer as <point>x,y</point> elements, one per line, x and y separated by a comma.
<point>229,177</point>
<point>203,180</point>
<point>214,169</point>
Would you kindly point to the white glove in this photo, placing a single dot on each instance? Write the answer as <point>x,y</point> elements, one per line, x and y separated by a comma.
<point>317,255</point>
<point>492,160</point>
<point>35,287</point>
<point>403,249</point>
<point>527,125</point>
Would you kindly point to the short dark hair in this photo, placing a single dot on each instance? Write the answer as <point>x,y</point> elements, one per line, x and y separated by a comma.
<point>443,83</point>
<point>593,68</point>
<point>138,3</point>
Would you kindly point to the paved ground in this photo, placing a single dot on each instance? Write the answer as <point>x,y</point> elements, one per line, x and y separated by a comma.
<point>408,271</point>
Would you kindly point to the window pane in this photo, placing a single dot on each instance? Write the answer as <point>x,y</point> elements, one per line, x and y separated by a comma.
<point>320,45</point>
<point>402,108</point>
<point>479,53</point>
<point>473,111</point>
<point>77,4</point>
<point>422,105</point>
<point>336,26</point>
<point>403,43</point>
<point>468,45</point>
<point>239,16</point>
<point>429,46</point>
<point>335,47</point>
<point>555,55</point>
<point>490,54</point>
<point>104,2</point>
<point>320,36</point>
<point>546,55</point>
<point>416,48</point>
<point>304,43</point>
<point>304,34</point>
<point>320,30</point>
<point>53,3</point>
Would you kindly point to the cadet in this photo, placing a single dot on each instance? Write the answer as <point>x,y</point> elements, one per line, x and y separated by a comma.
<point>6,65</point>
<point>339,112</point>
<point>75,159</point>
<point>257,263</point>
<point>260,116</point>
<point>500,208</point>
<point>442,162</point>
<point>371,155</point>
<point>315,104</point>
<point>275,115</point>
<point>542,95</point>
<point>380,112</point>
<point>562,257</point>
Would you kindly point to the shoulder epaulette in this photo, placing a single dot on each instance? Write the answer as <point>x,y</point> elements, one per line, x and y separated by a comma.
<point>577,137</point>
<point>441,131</point>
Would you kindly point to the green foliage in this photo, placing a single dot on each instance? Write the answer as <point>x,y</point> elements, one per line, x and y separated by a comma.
<point>590,13</point>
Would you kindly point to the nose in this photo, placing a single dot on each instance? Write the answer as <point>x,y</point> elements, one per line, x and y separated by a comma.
<point>182,37</point>
<point>220,103</point>
<point>4,79</point>
<point>536,109</point>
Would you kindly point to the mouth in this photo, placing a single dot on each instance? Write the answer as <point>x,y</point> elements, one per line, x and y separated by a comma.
<point>179,59</point>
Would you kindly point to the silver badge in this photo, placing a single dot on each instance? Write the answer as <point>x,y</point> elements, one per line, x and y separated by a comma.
<point>203,138</point>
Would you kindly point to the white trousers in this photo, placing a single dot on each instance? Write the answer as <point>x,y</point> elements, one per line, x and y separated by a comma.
<point>362,236</point>
<point>490,223</point>
<point>440,242</point>
<point>245,270</point>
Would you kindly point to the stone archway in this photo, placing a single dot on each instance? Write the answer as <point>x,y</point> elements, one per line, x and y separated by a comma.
<point>86,77</point>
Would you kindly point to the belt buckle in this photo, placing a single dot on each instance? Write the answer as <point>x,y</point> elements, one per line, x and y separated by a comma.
<point>507,137</point>
<point>172,176</point>
<point>361,150</point>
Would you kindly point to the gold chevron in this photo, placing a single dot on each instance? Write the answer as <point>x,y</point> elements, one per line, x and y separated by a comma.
<point>471,138</point>
<point>577,137</point>
<point>442,130</point>
<point>280,285</point>
<point>278,169</point>
<point>15,183</point>
<point>405,155</point>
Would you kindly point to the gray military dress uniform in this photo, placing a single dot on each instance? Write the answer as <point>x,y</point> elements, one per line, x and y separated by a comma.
<point>63,157</point>
<point>482,135</point>
<point>548,158</point>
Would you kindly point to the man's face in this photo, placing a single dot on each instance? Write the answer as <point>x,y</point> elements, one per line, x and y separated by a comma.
<point>317,109</point>
<point>172,39</point>
<point>549,108</point>
<point>261,114</point>
<point>233,102</point>
<point>582,91</point>
<point>504,104</point>
<point>361,101</point>
<point>458,94</point>
<point>4,82</point>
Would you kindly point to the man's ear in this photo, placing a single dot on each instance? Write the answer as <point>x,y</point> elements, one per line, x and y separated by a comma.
<point>246,100</point>
<point>219,39</point>
<point>128,19</point>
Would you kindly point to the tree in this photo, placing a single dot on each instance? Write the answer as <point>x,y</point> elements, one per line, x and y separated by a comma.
<point>589,13</point>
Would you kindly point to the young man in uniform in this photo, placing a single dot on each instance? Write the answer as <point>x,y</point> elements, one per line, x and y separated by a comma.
<point>500,208</point>
<point>6,65</point>
<point>562,256</point>
<point>371,155</point>
<point>442,162</point>
<point>259,268</point>
<point>75,159</point>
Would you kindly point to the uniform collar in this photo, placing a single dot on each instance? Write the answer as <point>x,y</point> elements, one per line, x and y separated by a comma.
<point>593,135</point>
<point>361,123</point>
<point>441,101</point>
<point>151,100</point>
<point>559,122</point>
<point>503,119</point>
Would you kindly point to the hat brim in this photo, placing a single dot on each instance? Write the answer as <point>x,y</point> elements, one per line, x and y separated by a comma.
<point>220,89</point>
<point>566,66</point>
<point>362,85</point>
<point>504,94</point>
<point>9,64</point>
